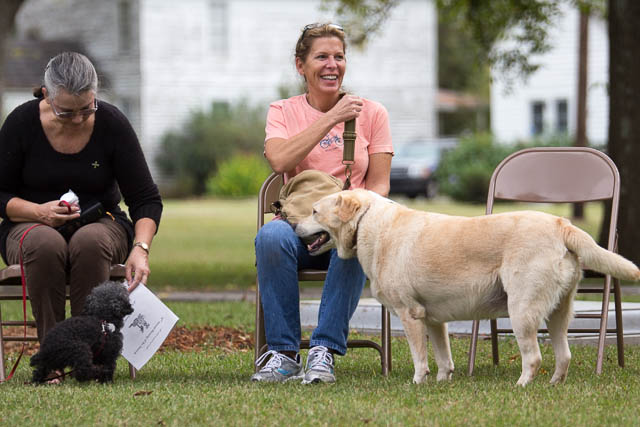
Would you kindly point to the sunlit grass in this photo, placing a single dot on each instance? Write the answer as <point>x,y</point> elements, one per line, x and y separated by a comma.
<point>212,387</point>
<point>208,243</point>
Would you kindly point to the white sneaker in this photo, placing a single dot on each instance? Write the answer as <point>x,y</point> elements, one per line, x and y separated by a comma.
<point>319,366</point>
<point>279,368</point>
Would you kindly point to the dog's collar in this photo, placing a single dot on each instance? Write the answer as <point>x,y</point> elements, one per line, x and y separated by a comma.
<point>355,235</point>
<point>107,327</point>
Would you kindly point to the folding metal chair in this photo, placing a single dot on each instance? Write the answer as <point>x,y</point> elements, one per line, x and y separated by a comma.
<point>561,175</point>
<point>269,194</point>
<point>11,289</point>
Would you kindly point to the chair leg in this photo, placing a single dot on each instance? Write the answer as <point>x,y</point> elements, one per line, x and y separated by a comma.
<point>2,371</point>
<point>386,341</point>
<point>604,316</point>
<point>494,341</point>
<point>475,327</point>
<point>260,339</point>
<point>619,328</point>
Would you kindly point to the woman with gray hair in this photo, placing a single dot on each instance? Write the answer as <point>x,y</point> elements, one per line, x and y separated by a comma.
<point>69,139</point>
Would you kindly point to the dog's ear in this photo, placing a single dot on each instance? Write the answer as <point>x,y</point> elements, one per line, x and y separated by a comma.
<point>347,205</point>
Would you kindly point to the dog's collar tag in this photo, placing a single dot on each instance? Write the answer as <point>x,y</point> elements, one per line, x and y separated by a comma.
<point>107,327</point>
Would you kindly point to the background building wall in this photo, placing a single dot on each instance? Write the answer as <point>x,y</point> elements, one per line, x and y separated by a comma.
<point>557,79</point>
<point>163,59</point>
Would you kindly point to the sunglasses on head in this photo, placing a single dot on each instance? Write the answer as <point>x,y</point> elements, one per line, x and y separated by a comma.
<point>318,25</point>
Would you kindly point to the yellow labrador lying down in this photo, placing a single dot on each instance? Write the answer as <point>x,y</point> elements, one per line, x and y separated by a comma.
<point>429,269</point>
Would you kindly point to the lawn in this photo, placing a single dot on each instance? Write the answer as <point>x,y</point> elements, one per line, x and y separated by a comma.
<point>207,244</point>
<point>211,387</point>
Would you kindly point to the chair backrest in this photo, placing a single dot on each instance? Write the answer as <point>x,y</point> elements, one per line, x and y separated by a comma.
<point>269,193</point>
<point>557,175</point>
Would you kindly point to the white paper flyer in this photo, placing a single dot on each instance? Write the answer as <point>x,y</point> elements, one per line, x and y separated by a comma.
<point>146,328</point>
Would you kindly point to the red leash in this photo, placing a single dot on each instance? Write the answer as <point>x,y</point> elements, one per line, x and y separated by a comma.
<point>24,301</point>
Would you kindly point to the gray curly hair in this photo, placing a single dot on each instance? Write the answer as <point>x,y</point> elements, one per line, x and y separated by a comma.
<point>72,72</point>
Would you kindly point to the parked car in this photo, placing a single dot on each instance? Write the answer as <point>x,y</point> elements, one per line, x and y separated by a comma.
<point>413,167</point>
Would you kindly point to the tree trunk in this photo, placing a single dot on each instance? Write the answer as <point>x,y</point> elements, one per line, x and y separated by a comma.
<point>8,10</point>
<point>581,124</point>
<point>624,118</point>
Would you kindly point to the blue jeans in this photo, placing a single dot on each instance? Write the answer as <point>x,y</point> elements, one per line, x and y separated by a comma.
<point>279,255</point>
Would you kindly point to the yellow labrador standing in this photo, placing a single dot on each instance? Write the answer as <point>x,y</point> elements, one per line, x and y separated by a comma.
<point>430,269</point>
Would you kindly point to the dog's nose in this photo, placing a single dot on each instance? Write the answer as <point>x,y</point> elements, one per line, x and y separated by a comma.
<point>294,226</point>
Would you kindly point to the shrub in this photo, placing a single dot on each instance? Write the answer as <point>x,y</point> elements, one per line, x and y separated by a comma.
<point>464,172</point>
<point>240,176</point>
<point>191,155</point>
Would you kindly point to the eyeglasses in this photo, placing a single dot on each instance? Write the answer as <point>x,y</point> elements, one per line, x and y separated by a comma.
<point>70,114</point>
<point>318,25</point>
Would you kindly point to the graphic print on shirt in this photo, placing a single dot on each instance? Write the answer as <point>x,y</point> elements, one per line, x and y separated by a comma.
<point>331,142</point>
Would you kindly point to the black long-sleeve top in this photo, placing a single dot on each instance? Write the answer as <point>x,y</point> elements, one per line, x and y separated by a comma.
<point>111,164</point>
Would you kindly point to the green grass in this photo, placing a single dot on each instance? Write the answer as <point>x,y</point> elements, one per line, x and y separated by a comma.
<point>207,244</point>
<point>212,387</point>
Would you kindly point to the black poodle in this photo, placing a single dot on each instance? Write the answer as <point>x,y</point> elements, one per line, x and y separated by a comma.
<point>89,343</point>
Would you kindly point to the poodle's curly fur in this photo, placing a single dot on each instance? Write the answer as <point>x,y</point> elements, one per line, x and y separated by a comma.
<point>85,343</point>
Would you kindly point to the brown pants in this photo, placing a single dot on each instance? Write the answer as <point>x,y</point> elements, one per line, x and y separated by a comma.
<point>50,263</point>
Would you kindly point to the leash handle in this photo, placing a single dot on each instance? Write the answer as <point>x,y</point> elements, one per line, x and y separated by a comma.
<point>348,150</point>
<point>23,280</point>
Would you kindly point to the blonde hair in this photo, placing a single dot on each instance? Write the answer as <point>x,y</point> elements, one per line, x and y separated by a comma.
<point>316,31</point>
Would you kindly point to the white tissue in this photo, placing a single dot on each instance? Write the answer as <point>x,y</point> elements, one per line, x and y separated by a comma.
<point>71,198</point>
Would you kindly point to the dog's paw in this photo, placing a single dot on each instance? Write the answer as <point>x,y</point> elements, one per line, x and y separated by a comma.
<point>558,379</point>
<point>446,375</point>
<point>420,378</point>
<point>524,380</point>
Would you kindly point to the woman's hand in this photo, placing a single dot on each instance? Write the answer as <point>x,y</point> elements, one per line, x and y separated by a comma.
<point>55,215</point>
<point>137,267</point>
<point>347,108</point>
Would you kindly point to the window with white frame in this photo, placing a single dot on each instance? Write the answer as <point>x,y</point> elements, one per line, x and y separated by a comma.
<point>219,21</point>
<point>562,116</point>
<point>537,117</point>
<point>125,22</point>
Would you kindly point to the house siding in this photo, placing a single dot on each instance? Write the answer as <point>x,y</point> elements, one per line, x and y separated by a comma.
<point>557,79</point>
<point>186,54</point>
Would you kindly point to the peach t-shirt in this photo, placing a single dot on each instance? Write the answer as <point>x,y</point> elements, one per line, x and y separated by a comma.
<point>288,117</point>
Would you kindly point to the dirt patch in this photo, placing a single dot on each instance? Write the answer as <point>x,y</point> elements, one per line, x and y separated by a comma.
<point>180,338</point>
<point>200,338</point>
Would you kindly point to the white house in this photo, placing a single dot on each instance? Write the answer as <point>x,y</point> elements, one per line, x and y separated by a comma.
<point>166,58</point>
<point>546,103</point>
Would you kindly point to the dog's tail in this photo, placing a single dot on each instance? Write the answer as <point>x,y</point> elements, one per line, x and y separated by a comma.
<point>595,257</point>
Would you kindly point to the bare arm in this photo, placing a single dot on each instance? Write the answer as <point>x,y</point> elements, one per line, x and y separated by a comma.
<point>137,265</point>
<point>285,154</point>
<point>50,213</point>
<point>378,173</point>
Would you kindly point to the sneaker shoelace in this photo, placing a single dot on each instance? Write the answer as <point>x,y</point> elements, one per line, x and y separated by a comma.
<point>320,359</point>
<point>274,363</point>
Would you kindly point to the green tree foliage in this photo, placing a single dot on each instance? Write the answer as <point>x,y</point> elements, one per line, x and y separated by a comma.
<point>464,172</point>
<point>522,24</point>
<point>240,176</point>
<point>194,153</point>
<point>460,64</point>
<point>363,18</point>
